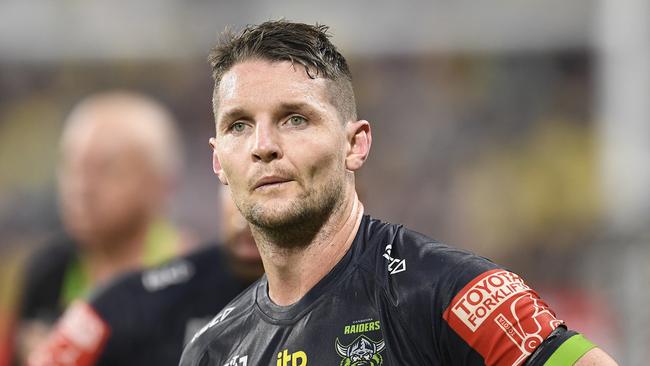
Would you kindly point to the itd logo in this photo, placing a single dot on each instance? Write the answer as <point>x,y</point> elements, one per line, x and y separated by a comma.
<point>295,359</point>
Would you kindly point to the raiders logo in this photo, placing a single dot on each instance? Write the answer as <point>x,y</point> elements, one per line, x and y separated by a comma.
<point>363,351</point>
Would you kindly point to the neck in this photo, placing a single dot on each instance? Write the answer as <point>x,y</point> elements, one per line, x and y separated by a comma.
<point>103,260</point>
<point>294,270</point>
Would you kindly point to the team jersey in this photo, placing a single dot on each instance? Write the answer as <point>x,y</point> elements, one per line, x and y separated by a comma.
<point>143,318</point>
<point>44,280</point>
<point>54,275</point>
<point>396,298</point>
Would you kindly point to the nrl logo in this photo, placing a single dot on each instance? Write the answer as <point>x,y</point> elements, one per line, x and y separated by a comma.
<point>395,265</point>
<point>362,352</point>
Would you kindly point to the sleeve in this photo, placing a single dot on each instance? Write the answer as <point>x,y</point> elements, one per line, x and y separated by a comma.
<point>494,317</point>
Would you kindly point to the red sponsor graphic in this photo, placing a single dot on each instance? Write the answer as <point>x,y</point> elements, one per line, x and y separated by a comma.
<point>499,316</point>
<point>77,339</point>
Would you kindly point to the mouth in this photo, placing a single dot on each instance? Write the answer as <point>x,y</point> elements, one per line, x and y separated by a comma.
<point>270,182</point>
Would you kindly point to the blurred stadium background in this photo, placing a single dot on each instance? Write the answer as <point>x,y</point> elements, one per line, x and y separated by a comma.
<point>516,129</point>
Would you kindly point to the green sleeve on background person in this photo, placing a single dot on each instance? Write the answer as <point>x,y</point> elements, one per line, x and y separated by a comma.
<point>570,351</point>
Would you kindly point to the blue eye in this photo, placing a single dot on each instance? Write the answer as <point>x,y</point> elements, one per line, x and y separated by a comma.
<point>238,126</point>
<point>297,120</point>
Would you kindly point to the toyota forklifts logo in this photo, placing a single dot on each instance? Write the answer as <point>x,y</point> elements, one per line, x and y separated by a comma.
<point>502,318</point>
<point>487,295</point>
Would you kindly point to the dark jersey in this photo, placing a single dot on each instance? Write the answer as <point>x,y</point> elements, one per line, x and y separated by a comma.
<point>43,281</point>
<point>144,318</point>
<point>396,298</point>
<point>54,275</point>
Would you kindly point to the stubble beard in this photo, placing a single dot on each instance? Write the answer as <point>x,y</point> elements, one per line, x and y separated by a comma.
<point>295,223</point>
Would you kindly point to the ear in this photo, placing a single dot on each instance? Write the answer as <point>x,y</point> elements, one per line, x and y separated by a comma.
<point>216,165</point>
<point>359,138</point>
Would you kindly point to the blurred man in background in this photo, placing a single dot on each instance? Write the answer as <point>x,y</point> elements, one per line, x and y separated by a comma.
<point>120,160</point>
<point>147,317</point>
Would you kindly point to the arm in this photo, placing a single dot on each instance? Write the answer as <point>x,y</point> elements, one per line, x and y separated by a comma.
<point>516,325</point>
<point>39,307</point>
<point>596,357</point>
<point>575,350</point>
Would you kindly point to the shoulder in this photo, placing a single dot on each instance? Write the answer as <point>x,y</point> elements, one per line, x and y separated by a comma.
<point>230,315</point>
<point>417,276</point>
<point>145,287</point>
<point>403,258</point>
<point>203,265</point>
<point>48,263</point>
<point>468,304</point>
<point>52,257</point>
<point>222,329</point>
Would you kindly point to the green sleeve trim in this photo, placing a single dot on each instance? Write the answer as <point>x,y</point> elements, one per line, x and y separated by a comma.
<point>570,351</point>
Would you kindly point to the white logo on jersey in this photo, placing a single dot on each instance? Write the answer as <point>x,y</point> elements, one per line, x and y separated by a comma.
<point>171,274</point>
<point>395,265</point>
<point>237,361</point>
<point>216,320</point>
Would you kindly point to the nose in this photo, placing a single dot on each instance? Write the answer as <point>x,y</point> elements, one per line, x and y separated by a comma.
<point>267,146</point>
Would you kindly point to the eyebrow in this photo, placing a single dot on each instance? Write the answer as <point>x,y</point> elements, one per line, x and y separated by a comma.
<point>295,106</point>
<point>231,114</point>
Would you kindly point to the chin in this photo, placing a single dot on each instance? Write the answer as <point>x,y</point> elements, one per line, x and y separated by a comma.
<point>272,218</point>
<point>291,209</point>
<point>276,213</point>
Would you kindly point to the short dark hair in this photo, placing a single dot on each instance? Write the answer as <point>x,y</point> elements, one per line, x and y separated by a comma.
<point>280,40</point>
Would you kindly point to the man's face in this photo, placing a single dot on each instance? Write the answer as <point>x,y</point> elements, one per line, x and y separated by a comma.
<point>108,186</point>
<point>280,143</point>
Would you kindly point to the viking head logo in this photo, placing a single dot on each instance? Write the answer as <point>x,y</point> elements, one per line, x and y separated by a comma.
<point>362,352</point>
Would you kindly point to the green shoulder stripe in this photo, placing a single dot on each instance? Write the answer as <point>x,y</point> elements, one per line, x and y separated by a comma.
<point>570,351</point>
